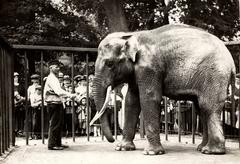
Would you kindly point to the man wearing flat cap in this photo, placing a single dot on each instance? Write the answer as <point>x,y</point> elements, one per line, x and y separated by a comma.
<point>52,96</point>
<point>32,88</point>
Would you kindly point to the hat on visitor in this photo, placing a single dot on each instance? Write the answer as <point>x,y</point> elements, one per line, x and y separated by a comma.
<point>78,77</point>
<point>15,74</point>
<point>60,75</point>
<point>55,62</point>
<point>238,75</point>
<point>35,76</point>
<point>66,77</point>
<point>38,87</point>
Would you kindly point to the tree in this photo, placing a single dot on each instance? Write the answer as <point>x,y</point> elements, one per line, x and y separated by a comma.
<point>218,17</point>
<point>39,22</point>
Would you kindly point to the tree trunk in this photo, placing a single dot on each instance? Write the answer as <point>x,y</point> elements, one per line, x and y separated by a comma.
<point>115,15</point>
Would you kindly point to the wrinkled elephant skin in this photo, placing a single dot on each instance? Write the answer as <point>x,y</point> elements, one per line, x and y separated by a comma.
<point>178,61</point>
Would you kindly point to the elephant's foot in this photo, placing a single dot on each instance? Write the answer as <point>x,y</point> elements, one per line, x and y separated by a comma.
<point>213,149</point>
<point>154,150</point>
<point>200,146</point>
<point>125,146</point>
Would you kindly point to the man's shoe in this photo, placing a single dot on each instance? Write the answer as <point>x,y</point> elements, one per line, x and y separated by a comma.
<point>55,148</point>
<point>64,146</point>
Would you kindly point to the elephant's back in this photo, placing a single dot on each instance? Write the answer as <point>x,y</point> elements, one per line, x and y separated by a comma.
<point>188,53</point>
<point>189,45</point>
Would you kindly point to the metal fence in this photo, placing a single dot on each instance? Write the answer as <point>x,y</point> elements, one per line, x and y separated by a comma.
<point>185,114</point>
<point>7,137</point>
<point>43,51</point>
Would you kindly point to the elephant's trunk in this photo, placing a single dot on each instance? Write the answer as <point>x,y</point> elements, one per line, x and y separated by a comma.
<point>99,92</point>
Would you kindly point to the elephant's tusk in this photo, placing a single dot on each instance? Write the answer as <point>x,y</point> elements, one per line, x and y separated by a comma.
<point>100,113</point>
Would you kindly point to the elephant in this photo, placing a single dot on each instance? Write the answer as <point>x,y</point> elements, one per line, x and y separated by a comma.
<point>181,62</point>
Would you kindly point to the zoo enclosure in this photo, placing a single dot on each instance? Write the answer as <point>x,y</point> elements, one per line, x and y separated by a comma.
<point>7,136</point>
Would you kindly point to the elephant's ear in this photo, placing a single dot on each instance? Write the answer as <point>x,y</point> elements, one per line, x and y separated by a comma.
<point>131,48</point>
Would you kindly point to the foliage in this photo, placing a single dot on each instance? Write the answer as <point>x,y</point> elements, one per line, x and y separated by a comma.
<point>39,22</point>
<point>84,23</point>
<point>218,17</point>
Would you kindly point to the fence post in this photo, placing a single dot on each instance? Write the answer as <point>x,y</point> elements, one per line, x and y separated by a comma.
<point>26,97</point>
<point>166,118</point>
<point>193,122</point>
<point>179,121</point>
<point>73,102</point>
<point>88,112</point>
<point>42,103</point>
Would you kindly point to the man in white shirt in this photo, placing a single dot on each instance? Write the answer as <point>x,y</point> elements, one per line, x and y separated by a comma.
<point>53,94</point>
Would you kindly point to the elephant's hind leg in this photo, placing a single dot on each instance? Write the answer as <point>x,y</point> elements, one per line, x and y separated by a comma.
<point>216,141</point>
<point>204,133</point>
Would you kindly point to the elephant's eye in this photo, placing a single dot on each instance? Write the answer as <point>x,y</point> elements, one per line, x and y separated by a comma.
<point>109,63</point>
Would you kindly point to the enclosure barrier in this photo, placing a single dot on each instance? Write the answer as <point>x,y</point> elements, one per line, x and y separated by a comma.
<point>7,138</point>
<point>167,123</point>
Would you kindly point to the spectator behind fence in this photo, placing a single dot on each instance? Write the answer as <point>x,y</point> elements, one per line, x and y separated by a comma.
<point>82,116</point>
<point>52,96</point>
<point>30,93</point>
<point>69,113</point>
<point>19,113</point>
<point>36,101</point>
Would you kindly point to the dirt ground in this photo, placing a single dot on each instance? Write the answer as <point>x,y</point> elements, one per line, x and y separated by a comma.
<point>97,151</point>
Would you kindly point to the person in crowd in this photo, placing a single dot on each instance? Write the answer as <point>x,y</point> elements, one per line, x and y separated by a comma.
<point>69,113</point>
<point>19,113</point>
<point>32,88</point>
<point>110,110</point>
<point>82,116</point>
<point>66,81</point>
<point>52,96</point>
<point>19,107</point>
<point>81,89</point>
<point>16,81</point>
<point>30,93</point>
<point>36,102</point>
<point>60,77</point>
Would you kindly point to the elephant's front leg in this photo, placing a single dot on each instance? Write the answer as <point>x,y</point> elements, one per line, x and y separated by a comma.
<point>150,97</point>
<point>131,116</point>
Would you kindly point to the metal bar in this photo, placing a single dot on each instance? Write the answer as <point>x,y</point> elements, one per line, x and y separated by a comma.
<point>4,103</point>
<point>8,91</point>
<point>239,103</point>
<point>115,114</point>
<point>1,101</point>
<point>55,48</point>
<point>179,121</point>
<point>166,118</point>
<point>26,97</point>
<point>42,103</point>
<point>73,103</point>
<point>88,112</point>
<point>11,105</point>
<point>193,122</point>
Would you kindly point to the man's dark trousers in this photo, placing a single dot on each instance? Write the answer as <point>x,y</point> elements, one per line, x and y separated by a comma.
<point>55,124</point>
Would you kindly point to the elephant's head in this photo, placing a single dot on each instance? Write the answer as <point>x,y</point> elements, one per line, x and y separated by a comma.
<point>113,67</point>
